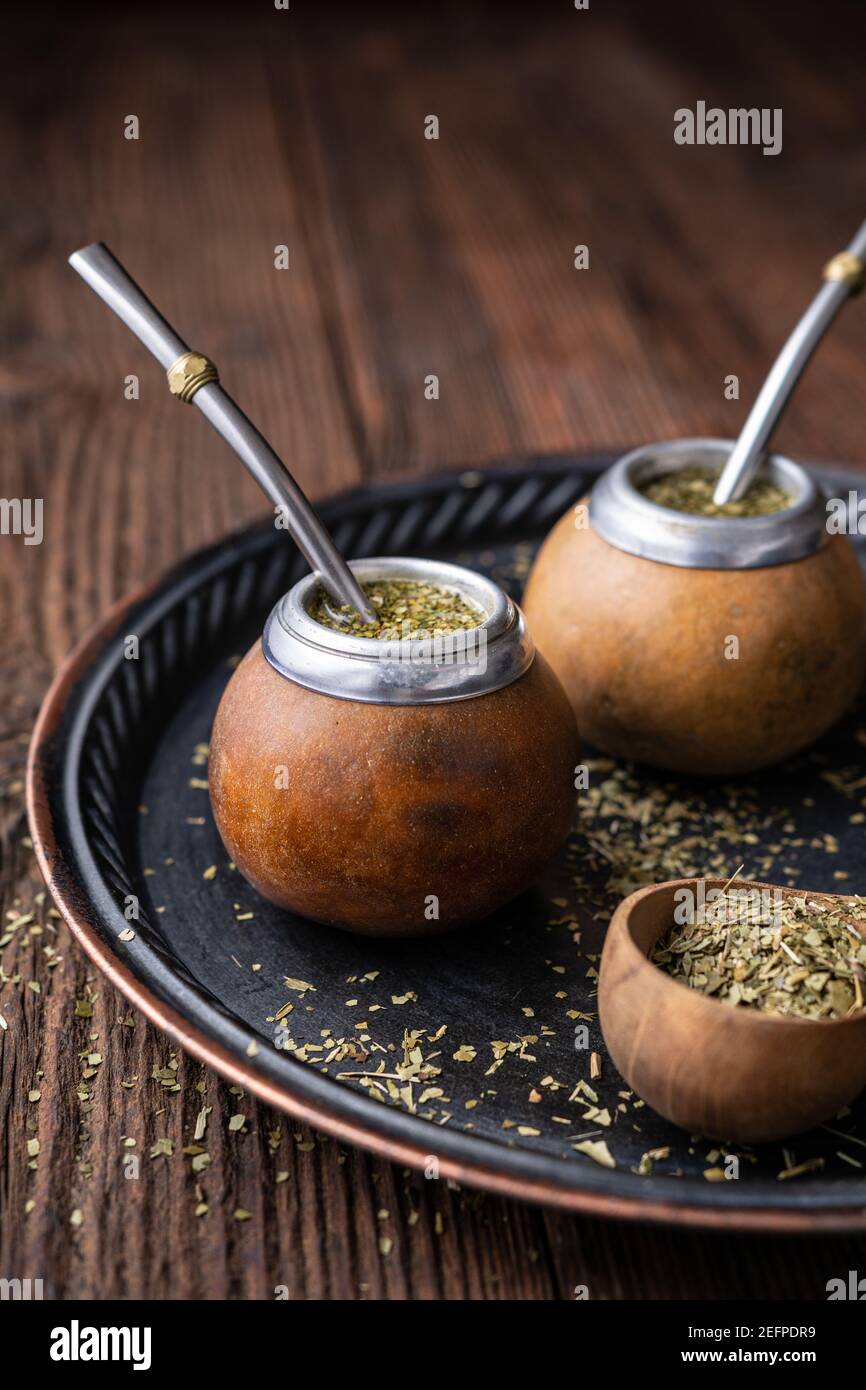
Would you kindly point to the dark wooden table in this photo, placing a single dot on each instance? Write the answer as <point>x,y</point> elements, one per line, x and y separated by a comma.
<point>408,257</point>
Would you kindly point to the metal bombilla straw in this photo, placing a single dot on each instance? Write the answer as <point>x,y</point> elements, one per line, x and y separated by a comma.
<point>844,276</point>
<point>194,378</point>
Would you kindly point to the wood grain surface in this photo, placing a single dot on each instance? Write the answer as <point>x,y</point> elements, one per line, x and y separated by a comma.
<point>408,257</point>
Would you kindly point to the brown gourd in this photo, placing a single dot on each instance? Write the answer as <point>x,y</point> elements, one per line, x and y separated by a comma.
<point>640,648</point>
<point>392,820</point>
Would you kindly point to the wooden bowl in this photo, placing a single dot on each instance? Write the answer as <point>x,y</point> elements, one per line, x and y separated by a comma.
<point>392,820</point>
<point>729,1073</point>
<point>640,648</point>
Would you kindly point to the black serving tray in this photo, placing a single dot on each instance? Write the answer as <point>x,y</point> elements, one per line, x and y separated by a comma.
<point>116,811</point>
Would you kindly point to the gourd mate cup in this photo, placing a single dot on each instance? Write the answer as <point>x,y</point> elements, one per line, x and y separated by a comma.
<point>639,611</point>
<point>362,784</point>
<point>385,787</point>
<point>635,607</point>
<point>727,1072</point>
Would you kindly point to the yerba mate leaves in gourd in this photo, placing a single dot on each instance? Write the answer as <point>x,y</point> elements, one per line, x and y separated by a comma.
<point>407,608</point>
<point>691,490</point>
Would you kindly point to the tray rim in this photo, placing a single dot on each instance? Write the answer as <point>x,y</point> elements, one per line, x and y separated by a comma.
<point>488,1167</point>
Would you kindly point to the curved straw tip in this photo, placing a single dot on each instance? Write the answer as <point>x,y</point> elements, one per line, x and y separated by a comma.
<point>83,253</point>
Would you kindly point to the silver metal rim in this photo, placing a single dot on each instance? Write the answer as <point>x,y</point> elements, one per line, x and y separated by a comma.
<point>623,517</point>
<point>401,672</point>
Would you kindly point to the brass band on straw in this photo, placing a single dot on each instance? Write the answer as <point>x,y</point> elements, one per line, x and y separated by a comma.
<point>847,269</point>
<point>189,373</point>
